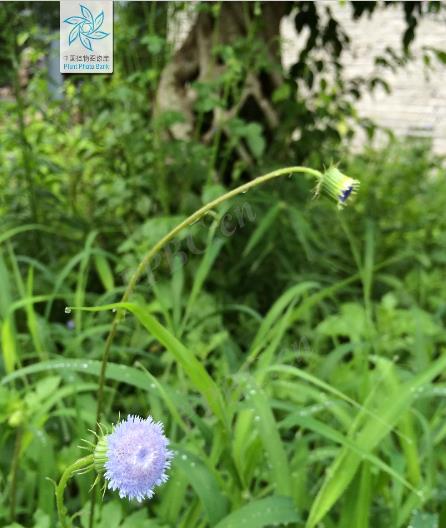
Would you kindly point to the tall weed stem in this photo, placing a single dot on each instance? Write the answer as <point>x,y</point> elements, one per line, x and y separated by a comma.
<point>142,266</point>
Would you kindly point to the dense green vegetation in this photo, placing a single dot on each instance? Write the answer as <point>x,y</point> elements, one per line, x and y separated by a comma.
<point>294,352</point>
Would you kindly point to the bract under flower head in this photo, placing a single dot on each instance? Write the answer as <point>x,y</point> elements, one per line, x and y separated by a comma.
<point>338,186</point>
<point>136,457</point>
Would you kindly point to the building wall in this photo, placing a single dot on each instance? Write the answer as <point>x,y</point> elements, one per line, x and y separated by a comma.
<point>416,105</point>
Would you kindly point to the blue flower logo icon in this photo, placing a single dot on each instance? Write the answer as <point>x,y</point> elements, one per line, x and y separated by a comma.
<point>86,28</point>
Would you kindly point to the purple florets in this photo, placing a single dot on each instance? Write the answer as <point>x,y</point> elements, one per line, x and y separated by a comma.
<point>346,193</point>
<point>137,457</point>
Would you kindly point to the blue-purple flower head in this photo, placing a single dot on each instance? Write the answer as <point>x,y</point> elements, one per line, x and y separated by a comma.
<point>338,186</point>
<point>135,457</point>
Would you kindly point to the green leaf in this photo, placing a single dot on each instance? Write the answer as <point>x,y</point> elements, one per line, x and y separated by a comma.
<point>193,368</point>
<point>121,373</point>
<point>9,344</point>
<point>269,434</point>
<point>104,271</point>
<point>272,511</point>
<point>328,432</point>
<point>282,93</point>
<point>32,320</point>
<point>204,483</point>
<point>263,227</point>
<point>79,295</point>
<point>111,515</point>
<point>205,266</point>
<point>255,139</point>
<point>115,372</point>
<point>5,287</point>
<point>165,396</point>
<point>341,472</point>
<point>350,321</point>
<point>22,37</point>
<point>140,519</point>
<point>30,227</point>
<point>191,365</point>
<point>272,318</point>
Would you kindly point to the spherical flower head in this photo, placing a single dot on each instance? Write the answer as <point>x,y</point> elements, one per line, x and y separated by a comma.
<point>338,186</point>
<point>136,457</point>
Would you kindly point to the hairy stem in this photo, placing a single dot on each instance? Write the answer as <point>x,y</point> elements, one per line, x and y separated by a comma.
<point>82,463</point>
<point>163,242</point>
<point>142,266</point>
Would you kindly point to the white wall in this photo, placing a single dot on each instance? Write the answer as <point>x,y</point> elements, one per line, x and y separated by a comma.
<point>417,104</point>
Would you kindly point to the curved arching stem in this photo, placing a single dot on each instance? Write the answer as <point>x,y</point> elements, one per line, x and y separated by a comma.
<point>142,266</point>
<point>83,463</point>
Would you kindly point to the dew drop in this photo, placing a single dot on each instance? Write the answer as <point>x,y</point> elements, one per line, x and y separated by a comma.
<point>114,310</point>
<point>183,457</point>
<point>257,418</point>
<point>67,310</point>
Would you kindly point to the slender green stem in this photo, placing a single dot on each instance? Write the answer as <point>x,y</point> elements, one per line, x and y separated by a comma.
<point>164,241</point>
<point>14,470</point>
<point>82,463</point>
<point>158,247</point>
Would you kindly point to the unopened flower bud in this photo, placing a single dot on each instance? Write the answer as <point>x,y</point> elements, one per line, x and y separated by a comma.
<point>338,186</point>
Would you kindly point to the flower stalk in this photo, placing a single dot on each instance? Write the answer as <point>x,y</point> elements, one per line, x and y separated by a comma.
<point>82,465</point>
<point>142,266</point>
<point>332,182</point>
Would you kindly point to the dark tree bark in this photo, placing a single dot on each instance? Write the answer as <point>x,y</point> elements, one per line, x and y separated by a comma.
<point>195,61</point>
